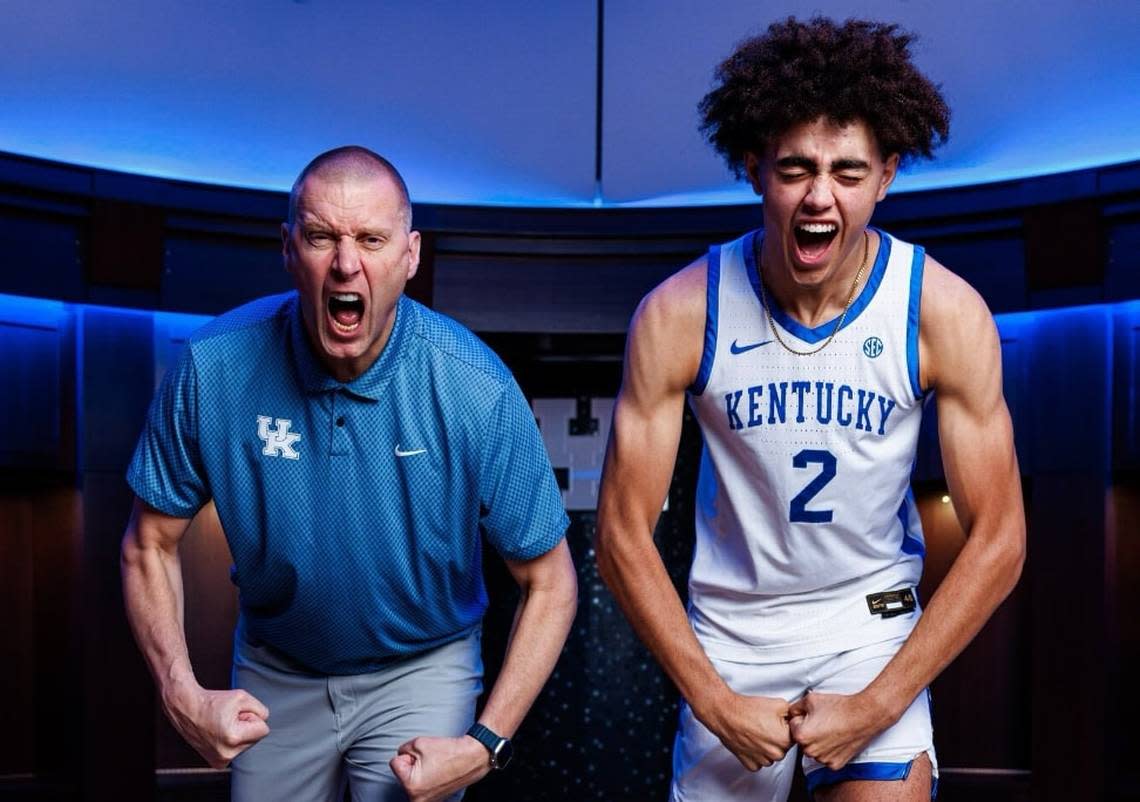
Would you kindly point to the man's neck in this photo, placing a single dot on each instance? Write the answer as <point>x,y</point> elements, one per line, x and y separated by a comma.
<point>813,304</point>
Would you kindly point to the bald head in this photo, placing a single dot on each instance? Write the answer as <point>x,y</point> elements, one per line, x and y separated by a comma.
<point>351,162</point>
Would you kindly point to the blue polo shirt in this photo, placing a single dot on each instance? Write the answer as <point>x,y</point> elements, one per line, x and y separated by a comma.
<point>353,510</point>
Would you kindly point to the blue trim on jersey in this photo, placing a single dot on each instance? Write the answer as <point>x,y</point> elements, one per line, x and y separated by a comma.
<point>822,332</point>
<point>913,309</point>
<point>712,296</point>
<point>910,543</point>
<point>930,705</point>
<point>858,771</point>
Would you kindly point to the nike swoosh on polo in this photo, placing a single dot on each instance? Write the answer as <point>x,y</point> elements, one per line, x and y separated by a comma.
<point>400,453</point>
<point>740,349</point>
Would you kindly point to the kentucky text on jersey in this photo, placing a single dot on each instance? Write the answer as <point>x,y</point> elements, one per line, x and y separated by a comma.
<point>821,402</point>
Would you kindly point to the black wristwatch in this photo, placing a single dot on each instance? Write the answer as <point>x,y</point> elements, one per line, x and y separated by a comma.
<point>500,748</point>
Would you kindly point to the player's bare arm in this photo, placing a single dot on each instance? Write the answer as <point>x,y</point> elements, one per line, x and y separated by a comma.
<point>433,768</point>
<point>960,360</point>
<point>662,359</point>
<point>218,724</point>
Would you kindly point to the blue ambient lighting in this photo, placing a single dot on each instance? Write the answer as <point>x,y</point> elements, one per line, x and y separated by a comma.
<point>41,313</point>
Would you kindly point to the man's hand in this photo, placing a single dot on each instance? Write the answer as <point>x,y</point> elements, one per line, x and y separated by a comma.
<point>220,725</point>
<point>431,769</point>
<point>833,728</point>
<point>754,728</point>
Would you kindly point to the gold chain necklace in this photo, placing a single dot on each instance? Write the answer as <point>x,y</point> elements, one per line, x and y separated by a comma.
<point>842,317</point>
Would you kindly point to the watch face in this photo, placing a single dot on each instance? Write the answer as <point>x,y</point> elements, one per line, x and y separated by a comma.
<point>502,754</point>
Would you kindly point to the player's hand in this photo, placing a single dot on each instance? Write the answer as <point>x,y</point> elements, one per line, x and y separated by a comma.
<point>754,728</point>
<point>220,725</point>
<point>434,768</point>
<point>834,728</point>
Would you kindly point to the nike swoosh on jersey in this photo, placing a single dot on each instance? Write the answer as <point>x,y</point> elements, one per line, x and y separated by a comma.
<point>400,453</point>
<point>740,349</point>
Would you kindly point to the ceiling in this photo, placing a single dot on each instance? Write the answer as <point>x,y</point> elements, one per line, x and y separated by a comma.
<point>496,103</point>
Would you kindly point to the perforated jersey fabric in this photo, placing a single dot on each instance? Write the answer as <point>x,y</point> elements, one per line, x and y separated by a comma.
<point>804,505</point>
<point>353,510</point>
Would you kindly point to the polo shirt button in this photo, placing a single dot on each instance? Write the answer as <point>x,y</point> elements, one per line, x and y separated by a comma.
<point>340,421</point>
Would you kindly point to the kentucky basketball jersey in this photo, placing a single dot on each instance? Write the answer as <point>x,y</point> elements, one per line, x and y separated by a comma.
<point>804,506</point>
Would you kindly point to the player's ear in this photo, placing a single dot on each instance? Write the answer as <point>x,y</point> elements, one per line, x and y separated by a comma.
<point>890,170</point>
<point>752,167</point>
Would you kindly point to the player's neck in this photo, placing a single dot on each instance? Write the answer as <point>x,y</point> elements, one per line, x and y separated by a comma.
<point>813,298</point>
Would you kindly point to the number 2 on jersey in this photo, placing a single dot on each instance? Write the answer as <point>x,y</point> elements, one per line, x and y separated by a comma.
<point>798,513</point>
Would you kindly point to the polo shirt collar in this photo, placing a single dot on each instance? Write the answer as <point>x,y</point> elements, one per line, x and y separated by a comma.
<point>370,384</point>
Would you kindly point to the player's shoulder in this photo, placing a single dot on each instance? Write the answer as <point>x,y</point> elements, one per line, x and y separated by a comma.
<point>452,345</point>
<point>957,333</point>
<point>677,304</point>
<point>949,303</point>
<point>666,335</point>
<point>261,319</point>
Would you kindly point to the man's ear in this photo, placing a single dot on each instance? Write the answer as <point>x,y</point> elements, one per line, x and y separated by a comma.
<point>286,245</point>
<point>413,253</point>
<point>890,170</point>
<point>752,166</point>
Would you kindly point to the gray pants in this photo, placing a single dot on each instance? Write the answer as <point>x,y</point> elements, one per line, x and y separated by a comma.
<point>329,731</point>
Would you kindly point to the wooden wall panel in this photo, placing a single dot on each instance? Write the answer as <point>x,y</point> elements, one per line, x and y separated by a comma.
<point>1072,424</point>
<point>524,293</point>
<point>43,251</point>
<point>992,262</point>
<point>31,361</point>
<point>126,245</point>
<point>210,272</point>
<point>1122,265</point>
<point>40,526</point>
<point>981,701</point>
<point>17,627</point>
<point>1122,737</point>
<point>115,719</point>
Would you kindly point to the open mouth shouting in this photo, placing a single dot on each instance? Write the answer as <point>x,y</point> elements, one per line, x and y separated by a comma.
<point>345,312</point>
<point>813,240</point>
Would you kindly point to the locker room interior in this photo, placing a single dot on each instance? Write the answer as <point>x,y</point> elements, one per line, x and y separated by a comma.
<point>106,267</point>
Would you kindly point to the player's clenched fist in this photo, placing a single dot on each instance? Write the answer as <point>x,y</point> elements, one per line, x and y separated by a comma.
<point>754,728</point>
<point>834,728</point>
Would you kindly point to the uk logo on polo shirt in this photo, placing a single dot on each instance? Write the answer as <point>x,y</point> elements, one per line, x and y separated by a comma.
<point>279,441</point>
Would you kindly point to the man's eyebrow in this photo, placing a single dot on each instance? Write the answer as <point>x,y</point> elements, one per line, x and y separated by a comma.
<point>310,220</point>
<point>802,162</point>
<point>840,165</point>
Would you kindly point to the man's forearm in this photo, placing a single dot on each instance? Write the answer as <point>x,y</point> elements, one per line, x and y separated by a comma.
<point>984,573</point>
<point>152,592</point>
<point>542,622</point>
<point>635,574</point>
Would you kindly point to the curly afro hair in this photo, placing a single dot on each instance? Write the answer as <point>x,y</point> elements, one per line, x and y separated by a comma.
<point>798,72</point>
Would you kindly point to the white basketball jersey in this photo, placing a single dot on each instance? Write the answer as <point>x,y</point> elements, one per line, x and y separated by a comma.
<point>803,501</point>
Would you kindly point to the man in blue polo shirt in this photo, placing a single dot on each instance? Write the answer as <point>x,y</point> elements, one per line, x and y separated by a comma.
<point>356,445</point>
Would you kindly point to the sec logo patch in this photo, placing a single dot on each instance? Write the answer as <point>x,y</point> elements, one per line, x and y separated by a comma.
<point>872,347</point>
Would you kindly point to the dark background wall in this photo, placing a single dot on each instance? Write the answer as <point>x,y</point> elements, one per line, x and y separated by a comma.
<point>104,274</point>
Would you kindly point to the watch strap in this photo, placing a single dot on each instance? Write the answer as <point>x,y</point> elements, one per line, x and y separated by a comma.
<point>491,740</point>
